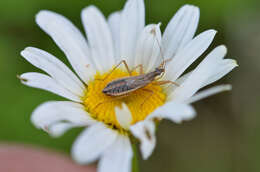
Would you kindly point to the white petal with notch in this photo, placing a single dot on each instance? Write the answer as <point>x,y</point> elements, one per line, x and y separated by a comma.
<point>199,75</point>
<point>188,54</point>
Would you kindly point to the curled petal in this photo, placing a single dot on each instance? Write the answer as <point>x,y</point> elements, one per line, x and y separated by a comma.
<point>124,116</point>
<point>145,132</point>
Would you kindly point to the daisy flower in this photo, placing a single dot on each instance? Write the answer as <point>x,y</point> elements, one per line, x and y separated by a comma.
<point>111,122</point>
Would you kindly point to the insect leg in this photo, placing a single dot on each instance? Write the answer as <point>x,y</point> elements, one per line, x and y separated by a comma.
<point>107,101</point>
<point>111,100</point>
<point>165,82</point>
<point>126,66</point>
<point>139,66</point>
<point>150,94</point>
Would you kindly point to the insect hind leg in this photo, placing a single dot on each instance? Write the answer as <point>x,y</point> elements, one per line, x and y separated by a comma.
<point>110,100</point>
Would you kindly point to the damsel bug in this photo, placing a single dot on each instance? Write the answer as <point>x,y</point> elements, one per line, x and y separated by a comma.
<point>122,87</point>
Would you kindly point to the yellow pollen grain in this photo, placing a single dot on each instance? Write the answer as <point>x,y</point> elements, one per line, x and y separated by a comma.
<point>102,107</point>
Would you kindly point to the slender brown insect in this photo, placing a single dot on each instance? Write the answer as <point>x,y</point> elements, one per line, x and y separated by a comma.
<point>122,87</point>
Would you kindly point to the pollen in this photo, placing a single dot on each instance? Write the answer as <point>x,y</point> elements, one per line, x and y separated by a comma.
<point>140,102</point>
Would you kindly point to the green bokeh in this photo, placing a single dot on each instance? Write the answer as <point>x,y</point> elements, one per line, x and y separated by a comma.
<point>224,137</point>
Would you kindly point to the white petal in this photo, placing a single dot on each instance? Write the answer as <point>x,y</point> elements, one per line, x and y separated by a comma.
<point>42,81</point>
<point>49,114</point>
<point>131,25</point>
<point>114,24</point>
<point>148,47</point>
<point>99,38</point>
<point>209,92</point>
<point>219,52</point>
<point>174,111</point>
<point>145,132</point>
<point>118,157</point>
<point>70,40</point>
<point>224,67</point>
<point>199,76</point>
<point>124,116</point>
<point>55,68</point>
<point>188,54</point>
<point>92,142</point>
<point>169,89</point>
<point>60,128</point>
<point>180,30</point>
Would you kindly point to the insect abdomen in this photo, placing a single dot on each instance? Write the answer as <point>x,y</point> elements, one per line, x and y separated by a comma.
<point>117,89</point>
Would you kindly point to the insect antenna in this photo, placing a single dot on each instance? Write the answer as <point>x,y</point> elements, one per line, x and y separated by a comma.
<point>153,31</point>
<point>162,65</point>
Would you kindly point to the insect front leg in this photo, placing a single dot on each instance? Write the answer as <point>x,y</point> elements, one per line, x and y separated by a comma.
<point>126,66</point>
<point>165,82</point>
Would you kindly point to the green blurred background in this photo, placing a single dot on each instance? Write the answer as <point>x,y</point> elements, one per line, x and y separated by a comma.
<point>224,137</point>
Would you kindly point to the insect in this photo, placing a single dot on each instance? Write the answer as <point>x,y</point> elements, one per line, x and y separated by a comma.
<point>123,87</point>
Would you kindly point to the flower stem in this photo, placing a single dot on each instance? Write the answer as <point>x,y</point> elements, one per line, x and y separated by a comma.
<point>135,167</point>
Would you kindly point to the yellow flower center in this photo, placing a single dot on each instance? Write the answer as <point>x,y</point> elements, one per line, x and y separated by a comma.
<point>140,102</point>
